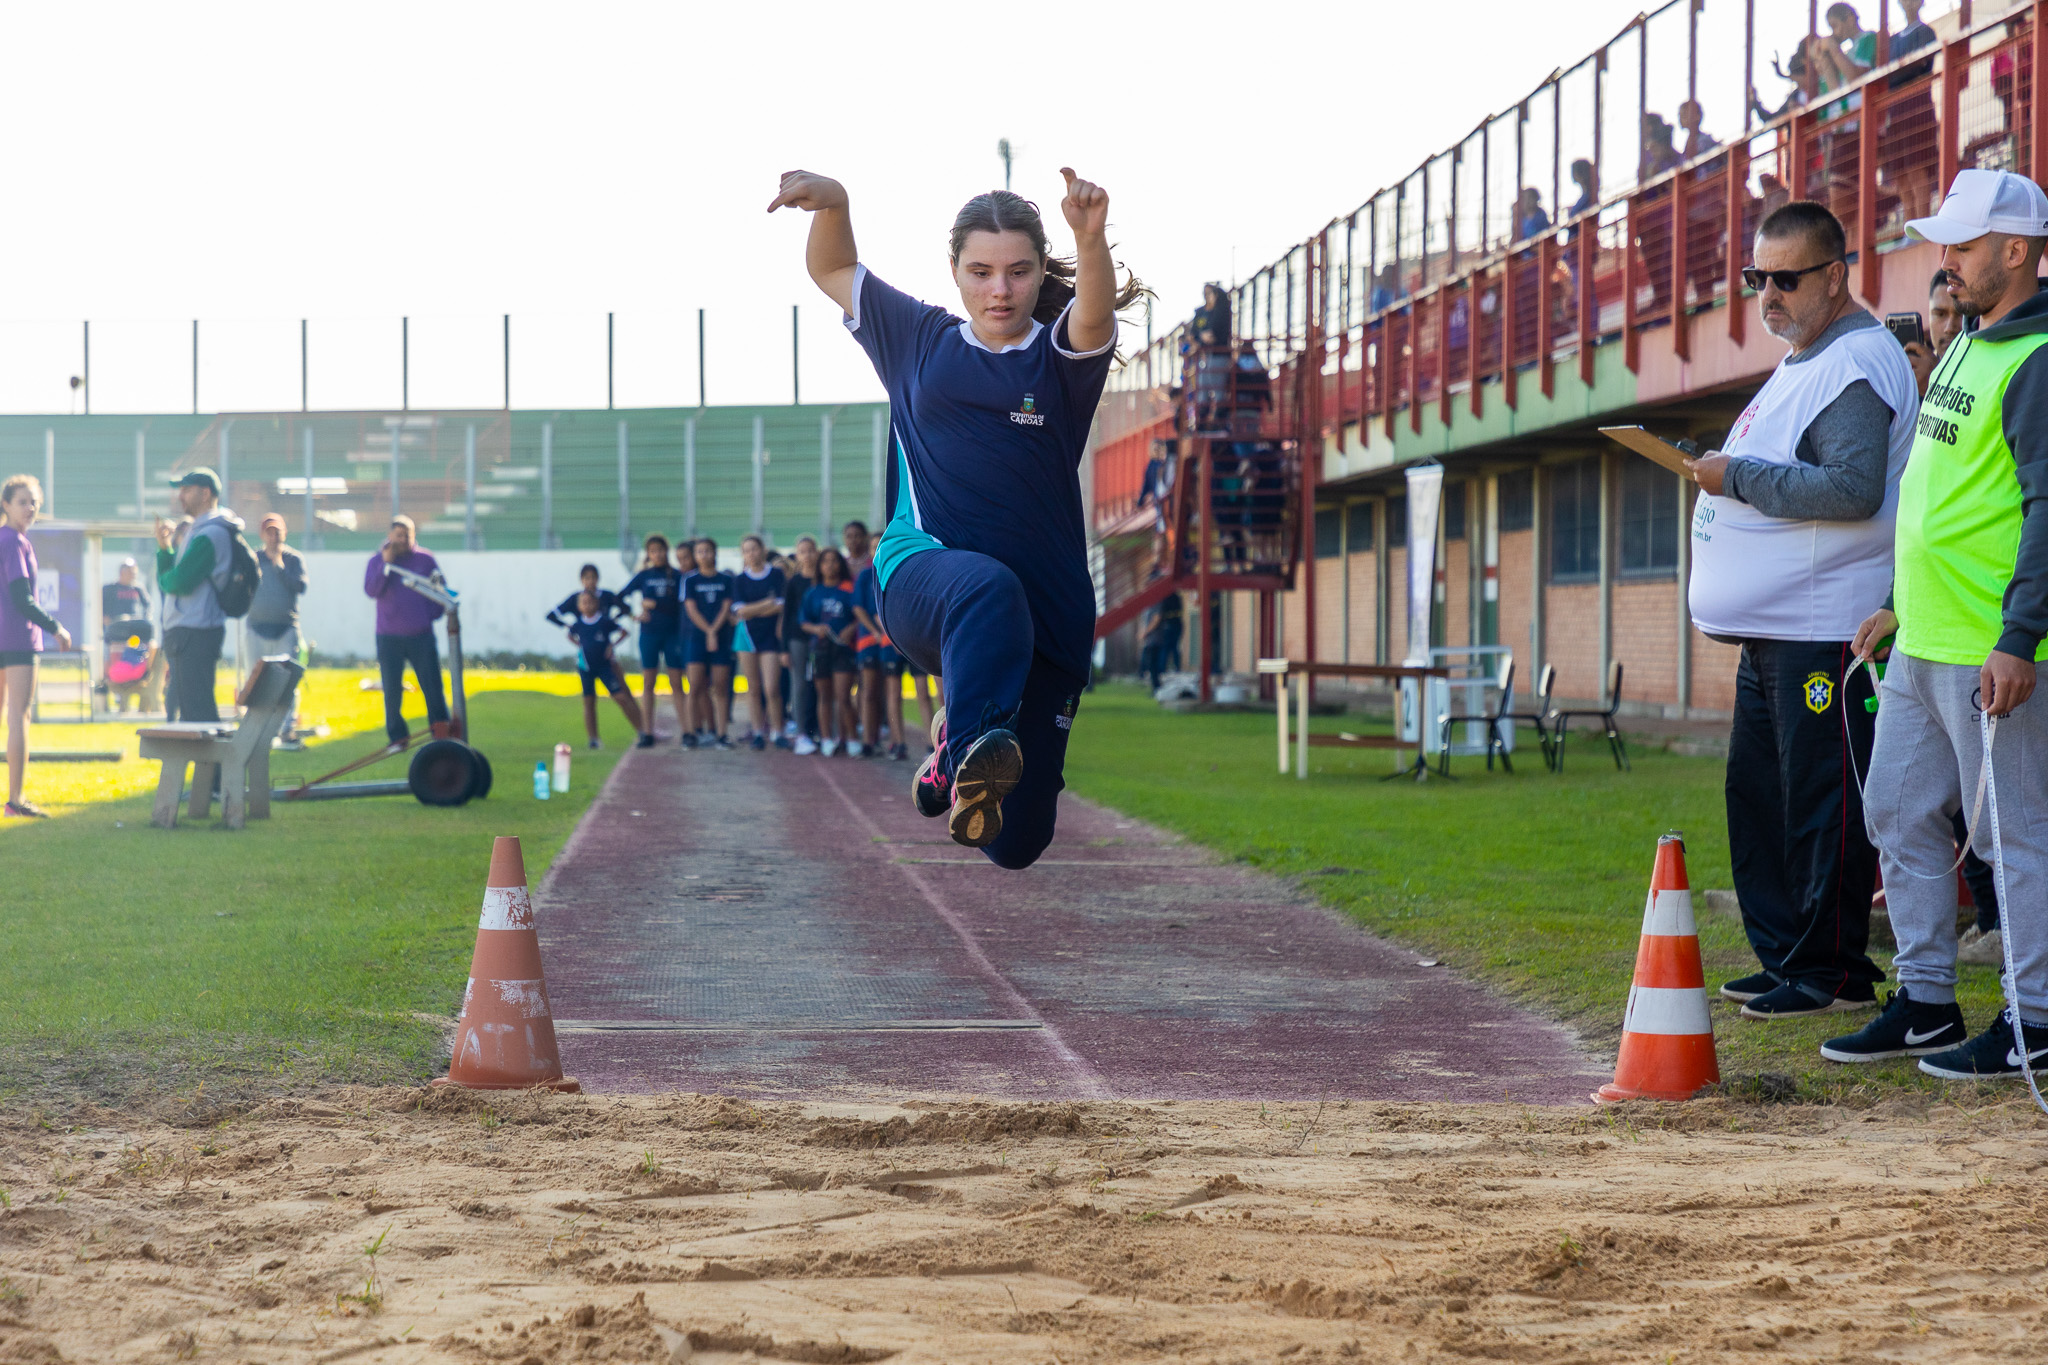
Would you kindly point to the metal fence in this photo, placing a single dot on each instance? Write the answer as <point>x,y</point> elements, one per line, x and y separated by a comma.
<point>479,480</point>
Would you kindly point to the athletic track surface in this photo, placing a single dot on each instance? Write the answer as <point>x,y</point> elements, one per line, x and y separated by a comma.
<point>789,928</point>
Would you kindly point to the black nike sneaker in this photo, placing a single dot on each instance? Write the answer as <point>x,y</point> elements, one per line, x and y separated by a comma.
<point>1991,1056</point>
<point>992,766</point>
<point>931,790</point>
<point>1906,1028</point>
<point>1747,988</point>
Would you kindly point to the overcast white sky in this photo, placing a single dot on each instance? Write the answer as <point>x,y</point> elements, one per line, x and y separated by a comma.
<point>249,165</point>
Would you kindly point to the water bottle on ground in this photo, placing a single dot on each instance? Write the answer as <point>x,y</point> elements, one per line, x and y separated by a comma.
<point>541,786</point>
<point>562,767</point>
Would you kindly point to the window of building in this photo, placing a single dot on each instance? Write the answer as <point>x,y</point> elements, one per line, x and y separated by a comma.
<point>1454,510</point>
<point>1517,500</point>
<point>1329,532</point>
<point>1575,521</point>
<point>1397,521</point>
<point>1649,518</point>
<point>1358,527</point>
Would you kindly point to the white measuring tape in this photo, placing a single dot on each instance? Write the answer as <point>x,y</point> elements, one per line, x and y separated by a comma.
<point>1987,787</point>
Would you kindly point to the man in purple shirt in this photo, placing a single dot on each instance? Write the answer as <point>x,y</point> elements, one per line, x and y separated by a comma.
<point>405,629</point>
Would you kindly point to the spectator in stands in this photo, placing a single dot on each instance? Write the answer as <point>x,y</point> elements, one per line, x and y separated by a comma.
<point>1966,621</point>
<point>1588,181</point>
<point>1659,154</point>
<point>1254,391</point>
<point>22,626</point>
<point>1908,140</point>
<point>1161,647</point>
<point>1653,207</point>
<point>1386,288</point>
<point>405,629</point>
<point>189,579</point>
<point>1792,548</point>
<point>274,611</point>
<point>1212,320</point>
<point>1697,142</point>
<point>1847,53</point>
<point>1530,218</point>
<point>1806,86</point>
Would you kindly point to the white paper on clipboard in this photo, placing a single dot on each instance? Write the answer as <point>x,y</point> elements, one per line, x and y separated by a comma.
<point>1653,448</point>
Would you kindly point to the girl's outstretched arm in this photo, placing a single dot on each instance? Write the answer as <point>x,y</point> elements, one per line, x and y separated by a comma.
<point>830,255</point>
<point>1092,324</point>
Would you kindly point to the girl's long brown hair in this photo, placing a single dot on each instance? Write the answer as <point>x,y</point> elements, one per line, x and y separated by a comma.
<point>1004,211</point>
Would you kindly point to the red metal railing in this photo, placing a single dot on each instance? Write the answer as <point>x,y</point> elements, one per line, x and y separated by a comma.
<point>1378,317</point>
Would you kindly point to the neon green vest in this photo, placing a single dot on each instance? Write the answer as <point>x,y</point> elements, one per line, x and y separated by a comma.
<point>1959,507</point>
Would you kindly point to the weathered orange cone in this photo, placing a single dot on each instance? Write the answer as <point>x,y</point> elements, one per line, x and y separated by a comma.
<point>1667,1037</point>
<point>505,1037</point>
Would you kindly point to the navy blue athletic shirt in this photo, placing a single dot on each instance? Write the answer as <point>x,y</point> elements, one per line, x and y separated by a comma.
<point>660,589</point>
<point>608,604</point>
<point>709,591</point>
<point>594,638</point>
<point>829,607</point>
<point>746,589</point>
<point>988,451</point>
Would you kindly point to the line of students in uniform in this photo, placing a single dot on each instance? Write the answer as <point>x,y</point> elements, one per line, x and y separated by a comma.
<point>804,625</point>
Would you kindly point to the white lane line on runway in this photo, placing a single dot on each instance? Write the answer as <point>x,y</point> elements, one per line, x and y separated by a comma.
<point>785,1025</point>
<point>1054,862</point>
<point>1081,1072</point>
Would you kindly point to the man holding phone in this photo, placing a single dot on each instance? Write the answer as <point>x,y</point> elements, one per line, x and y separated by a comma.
<point>405,628</point>
<point>1966,621</point>
<point>1792,548</point>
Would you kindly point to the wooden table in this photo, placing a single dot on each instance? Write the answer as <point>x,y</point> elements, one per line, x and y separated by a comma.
<point>1284,669</point>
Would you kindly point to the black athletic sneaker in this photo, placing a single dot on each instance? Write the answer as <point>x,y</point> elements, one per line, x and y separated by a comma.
<point>1991,1056</point>
<point>931,791</point>
<point>986,773</point>
<point>1748,988</point>
<point>758,743</point>
<point>1789,1001</point>
<point>597,744</point>
<point>1907,1028</point>
<point>688,740</point>
<point>899,753</point>
<point>724,743</point>
<point>644,742</point>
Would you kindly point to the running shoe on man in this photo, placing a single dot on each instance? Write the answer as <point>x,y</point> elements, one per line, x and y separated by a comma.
<point>1992,1055</point>
<point>1906,1028</point>
<point>986,773</point>
<point>1792,1000</point>
<point>25,809</point>
<point>931,790</point>
<point>1747,988</point>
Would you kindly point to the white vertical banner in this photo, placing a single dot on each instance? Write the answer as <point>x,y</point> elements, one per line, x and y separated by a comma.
<point>1425,501</point>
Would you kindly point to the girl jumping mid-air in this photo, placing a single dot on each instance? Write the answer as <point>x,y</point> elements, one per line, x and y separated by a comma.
<point>983,567</point>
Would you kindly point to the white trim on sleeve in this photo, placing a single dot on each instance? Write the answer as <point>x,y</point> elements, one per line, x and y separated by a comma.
<point>860,277</point>
<point>1080,355</point>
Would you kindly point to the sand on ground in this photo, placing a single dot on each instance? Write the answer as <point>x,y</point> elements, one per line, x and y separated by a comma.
<point>407,1226</point>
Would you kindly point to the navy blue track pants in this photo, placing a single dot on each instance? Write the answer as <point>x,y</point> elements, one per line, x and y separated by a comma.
<point>963,616</point>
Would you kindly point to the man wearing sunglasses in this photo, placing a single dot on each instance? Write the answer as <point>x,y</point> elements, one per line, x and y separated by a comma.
<point>1792,548</point>
<point>1966,619</point>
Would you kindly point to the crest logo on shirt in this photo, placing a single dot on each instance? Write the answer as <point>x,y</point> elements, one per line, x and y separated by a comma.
<point>1820,693</point>
<point>1028,414</point>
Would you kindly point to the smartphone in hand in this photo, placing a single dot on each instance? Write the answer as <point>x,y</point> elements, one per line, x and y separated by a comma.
<point>1907,328</point>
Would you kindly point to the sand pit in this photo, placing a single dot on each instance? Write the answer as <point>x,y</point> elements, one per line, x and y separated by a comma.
<point>564,1228</point>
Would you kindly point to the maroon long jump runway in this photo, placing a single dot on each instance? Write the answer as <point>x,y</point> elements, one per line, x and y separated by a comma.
<point>785,928</point>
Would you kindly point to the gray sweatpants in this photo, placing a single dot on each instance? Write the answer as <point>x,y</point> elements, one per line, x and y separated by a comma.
<point>1923,768</point>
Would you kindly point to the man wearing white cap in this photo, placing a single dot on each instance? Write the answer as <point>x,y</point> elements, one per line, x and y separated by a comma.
<point>1968,612</point>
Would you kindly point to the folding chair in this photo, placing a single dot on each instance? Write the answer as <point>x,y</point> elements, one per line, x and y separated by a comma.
<point>1546,684</point>
<point>1505,681</point>
<point>1606,717</point>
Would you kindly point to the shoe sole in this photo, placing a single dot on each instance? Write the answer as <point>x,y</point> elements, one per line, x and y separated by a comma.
<point>1947,1075</point>
<point>1832,1007</point>
<point>1854,1057</point>
<point>1739,997</point>
<point>987,774</point>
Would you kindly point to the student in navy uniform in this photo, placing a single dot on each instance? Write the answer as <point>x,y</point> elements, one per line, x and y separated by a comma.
<point>608,601</point>
<point>707,646</point>
<point>796,645</point>
<point>757,605</point>
<point>828,619</point>
<point>984,562</point>
<point>594,631</point>
<point>881,670</point>
<point>660,586</point>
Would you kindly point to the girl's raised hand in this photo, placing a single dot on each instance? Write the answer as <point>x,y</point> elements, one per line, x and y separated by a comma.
<point>1086,205</point>
<point>804,190</point>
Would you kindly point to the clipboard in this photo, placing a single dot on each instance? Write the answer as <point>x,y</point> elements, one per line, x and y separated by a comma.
<point>1653,448</point>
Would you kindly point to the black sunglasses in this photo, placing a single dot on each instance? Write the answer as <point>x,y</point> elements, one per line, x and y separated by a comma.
<point>1786,280</point>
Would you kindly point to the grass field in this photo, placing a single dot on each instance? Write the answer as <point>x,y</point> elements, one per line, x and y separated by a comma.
<point>1533,883</point>
<point>325,944</point>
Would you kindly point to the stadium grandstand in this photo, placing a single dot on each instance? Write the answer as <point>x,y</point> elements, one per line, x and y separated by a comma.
<point>1457,315</point>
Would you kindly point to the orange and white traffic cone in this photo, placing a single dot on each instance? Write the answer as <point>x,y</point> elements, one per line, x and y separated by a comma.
<point>505,1037</point>
<point>1667,1037</point>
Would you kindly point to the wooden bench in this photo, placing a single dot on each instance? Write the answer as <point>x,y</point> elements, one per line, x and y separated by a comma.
<point>238,753</point>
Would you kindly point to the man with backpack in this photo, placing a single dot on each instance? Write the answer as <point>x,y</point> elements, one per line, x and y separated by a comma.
<point>204,582</point>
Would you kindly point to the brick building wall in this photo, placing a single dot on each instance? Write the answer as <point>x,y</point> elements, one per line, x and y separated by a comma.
<point>1364,572</point>
<point>1516,598</point>
<point>1571,630</point>
<point>1646,639</point>
<point>1713,674</point>
<point>1457,584</point>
